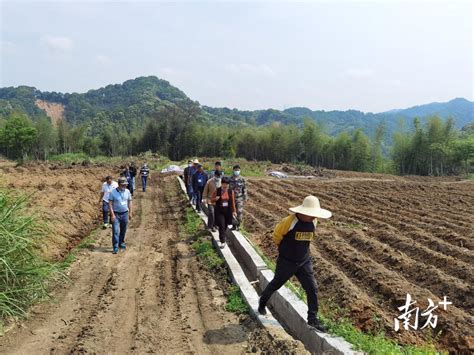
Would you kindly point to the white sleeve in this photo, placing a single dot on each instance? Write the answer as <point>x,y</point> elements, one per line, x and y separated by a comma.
<point>104,188</point>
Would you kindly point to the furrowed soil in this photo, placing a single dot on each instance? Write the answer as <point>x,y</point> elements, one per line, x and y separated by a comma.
<point>155,297</point>
<point>67,198</point>
<point>388,236</point>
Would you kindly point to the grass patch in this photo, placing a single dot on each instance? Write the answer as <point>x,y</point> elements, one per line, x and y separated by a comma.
<point>235,301</point>
<point>24,275</point>
<point>373,343</point>
<point>201,245</point>
<point>339,324</point>
<point>206,253</point>
<point>193,222</point>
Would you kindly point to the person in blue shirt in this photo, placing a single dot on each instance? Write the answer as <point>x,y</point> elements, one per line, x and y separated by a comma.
<point>199,181</point>
<point>120,206</point>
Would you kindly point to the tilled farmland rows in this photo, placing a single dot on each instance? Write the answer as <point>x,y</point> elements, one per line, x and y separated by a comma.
<point>386,239</point>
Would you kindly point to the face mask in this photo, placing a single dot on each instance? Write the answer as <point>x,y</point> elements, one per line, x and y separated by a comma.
<point>190,165</point>
<point>218,183</point>
<point>237,172</point>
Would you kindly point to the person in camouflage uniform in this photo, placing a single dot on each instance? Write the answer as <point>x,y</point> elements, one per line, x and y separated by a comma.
<point>237,184</point>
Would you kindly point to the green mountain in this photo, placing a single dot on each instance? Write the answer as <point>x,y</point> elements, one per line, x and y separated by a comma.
<point>143,98</point>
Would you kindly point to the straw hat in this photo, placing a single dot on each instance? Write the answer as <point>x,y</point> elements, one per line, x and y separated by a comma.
<point>195,161</point>
<point>311,207</point>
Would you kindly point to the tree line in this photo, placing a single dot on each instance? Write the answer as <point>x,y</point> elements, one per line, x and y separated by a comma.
<point>436,148</point>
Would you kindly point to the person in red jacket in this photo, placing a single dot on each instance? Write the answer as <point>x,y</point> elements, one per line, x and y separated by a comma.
<point>293,235</point>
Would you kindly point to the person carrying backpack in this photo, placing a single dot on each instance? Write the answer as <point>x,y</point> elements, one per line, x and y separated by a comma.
<point>199,180</point>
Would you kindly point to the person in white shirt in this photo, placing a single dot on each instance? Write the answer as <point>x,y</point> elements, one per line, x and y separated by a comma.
<point>107,187</point>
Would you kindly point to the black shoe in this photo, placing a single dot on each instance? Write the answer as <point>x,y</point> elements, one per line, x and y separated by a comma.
<point>261,308</point>
<point>316,324</point>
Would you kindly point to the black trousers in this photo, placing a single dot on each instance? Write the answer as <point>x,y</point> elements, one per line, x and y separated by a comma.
<point>199,192</point>
<point>285,269</point>
<point>222,220</point>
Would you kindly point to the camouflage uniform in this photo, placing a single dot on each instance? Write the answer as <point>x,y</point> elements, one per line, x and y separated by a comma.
<point>237,184</point>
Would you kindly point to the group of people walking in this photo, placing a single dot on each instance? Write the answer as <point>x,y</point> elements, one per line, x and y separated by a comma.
<point>116,202</point>
<point>224,196</point>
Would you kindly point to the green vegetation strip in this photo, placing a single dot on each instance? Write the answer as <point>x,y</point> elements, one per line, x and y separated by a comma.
<point>24,275</point>
<point>202,245</point>
<point>339,323</point>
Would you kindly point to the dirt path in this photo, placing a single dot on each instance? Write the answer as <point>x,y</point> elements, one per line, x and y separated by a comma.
<point>154,297</point>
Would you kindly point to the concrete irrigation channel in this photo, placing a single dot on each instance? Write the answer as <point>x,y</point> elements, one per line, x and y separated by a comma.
<point>288,312</point>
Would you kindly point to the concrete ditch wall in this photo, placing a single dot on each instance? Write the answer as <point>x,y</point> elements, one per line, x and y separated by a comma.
<point>286,306</point>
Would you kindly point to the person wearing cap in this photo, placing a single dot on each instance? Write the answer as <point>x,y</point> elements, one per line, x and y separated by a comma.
<point>120,205</point>
<point>107,187</point>
<point>144,172</point>
<point>224,200</point>
<point>199,181</point>
<point>211,186</point>
<point>189,182</point>
<point>186,177</point>
<point>293,235</point>
<point>237,184</point>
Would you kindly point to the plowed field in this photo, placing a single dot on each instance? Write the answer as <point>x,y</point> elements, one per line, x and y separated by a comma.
<point>387,238</point>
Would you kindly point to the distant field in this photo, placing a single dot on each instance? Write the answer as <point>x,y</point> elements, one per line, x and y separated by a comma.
<point>389,236</point>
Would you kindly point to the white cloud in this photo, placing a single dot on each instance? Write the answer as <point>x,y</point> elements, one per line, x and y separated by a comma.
<point>358,73</point>
<point>102,59</point>
<point>58,43</point>
<point>263,69</point>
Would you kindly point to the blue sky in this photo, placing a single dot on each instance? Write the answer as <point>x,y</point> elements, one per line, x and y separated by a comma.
<point>370,56</point>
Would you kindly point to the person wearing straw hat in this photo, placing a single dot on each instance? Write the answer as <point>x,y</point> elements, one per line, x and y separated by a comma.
<point>293,236</point>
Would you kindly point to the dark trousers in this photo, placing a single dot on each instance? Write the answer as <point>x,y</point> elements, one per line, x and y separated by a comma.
<point>285,269</point>
<point>199,192</point>
<point>210,216</point>
<point>144,180</point>
<point>191,194</point>
<point>189,191</point>
<point>105,212</point>
<point>222,220</point>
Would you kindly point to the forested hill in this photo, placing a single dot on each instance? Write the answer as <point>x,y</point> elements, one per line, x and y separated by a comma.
<point>137,100</point>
